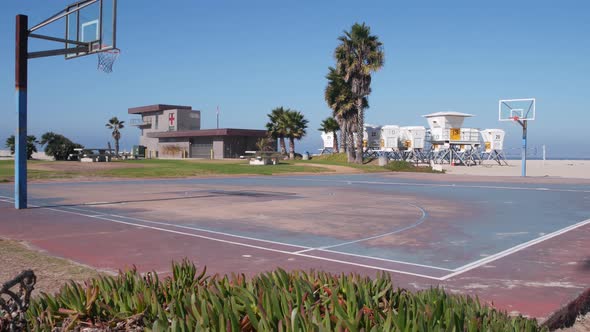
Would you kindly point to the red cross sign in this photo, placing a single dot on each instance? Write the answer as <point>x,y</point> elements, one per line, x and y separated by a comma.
<point>171,119</point>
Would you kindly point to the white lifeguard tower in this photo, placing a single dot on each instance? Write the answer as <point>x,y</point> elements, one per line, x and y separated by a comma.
<point>372,137</point>
<point>371,140</point>
<point>493,145</point>
<point>413,140</point>
<point>328,141</point>
<point>390,141</point>
<point>451,142</point>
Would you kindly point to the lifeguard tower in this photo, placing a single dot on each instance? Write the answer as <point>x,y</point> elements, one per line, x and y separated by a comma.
<point>390,142</point>
<point>413,140</point>
<point>493,145</point>
<point>328,140</point>
<point>371,140</point>
<point>451,142</point>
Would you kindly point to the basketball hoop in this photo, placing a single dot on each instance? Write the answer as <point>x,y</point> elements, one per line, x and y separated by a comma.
<point>515,118</point>
<point>107,59</point>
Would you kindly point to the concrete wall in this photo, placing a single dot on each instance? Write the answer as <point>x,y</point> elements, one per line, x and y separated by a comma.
<point>5,154</point>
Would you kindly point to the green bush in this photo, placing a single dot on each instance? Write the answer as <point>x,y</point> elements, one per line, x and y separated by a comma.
<point>404,166</point>
<point>273,301</point>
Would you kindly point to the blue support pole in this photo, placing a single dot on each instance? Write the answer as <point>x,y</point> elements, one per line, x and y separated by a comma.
<point>20,156</point>
<point>523,153</point>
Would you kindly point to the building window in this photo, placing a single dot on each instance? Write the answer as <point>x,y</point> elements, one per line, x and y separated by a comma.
<point>156,122</point>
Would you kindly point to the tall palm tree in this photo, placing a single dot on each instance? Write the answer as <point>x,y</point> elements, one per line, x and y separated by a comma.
<point>358,55</point>
<point>338,95</point>
<point>115,125</point>
<point>276,126</point>
<point>330,125</point>
<point>295,126</point>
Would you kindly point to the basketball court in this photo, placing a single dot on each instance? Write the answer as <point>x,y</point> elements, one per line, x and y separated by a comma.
<point>515,243</point>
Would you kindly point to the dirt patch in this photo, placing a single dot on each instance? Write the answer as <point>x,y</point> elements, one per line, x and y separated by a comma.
<point>52,272</point>
<point>335,168</point>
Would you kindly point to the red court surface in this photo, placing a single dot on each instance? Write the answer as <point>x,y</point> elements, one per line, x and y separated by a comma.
<point>521,245</point>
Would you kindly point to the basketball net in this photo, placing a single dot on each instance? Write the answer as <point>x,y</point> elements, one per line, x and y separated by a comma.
<point>107,59</point>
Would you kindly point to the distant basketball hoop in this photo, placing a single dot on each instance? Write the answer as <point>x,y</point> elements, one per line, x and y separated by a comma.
<point>519,111</point>
<point>107,59</point>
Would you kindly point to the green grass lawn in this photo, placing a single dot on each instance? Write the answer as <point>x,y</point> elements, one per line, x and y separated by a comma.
<point>183,168</point>
<point>369,166</point>
<point>340,159</point>
<point>156,168</point>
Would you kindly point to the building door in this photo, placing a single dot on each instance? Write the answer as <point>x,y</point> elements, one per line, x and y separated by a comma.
<point>201,147</point>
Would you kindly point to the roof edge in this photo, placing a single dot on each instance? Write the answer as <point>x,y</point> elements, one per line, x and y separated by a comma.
<point>156,108</point>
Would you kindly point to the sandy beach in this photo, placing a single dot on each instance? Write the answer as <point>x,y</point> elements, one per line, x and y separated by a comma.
<point>576,169</point>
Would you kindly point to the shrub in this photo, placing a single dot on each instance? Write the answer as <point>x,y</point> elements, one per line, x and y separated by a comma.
<point>275,301</point>
<point>404,166</point>
<point>173,150</point>
<point>58,146</point>
<point>31,145</point>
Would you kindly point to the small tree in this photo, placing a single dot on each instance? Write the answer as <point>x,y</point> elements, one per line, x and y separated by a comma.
<point>329,125</point>
<point>265,144</point>
<point>295,126</point>
<point>31,145</point>
<point>58,146</point>
<point>115,125</point>
<point>276,126</point>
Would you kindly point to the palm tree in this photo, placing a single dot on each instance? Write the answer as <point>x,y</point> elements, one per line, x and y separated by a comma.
<point>265,144</point>
<point>116,125</point>
<point>330,125</point>
<point>31,145</point>
<point>295,125</point>
<point>338,95</point>
<point>276,126</point>
<point>358,55</point>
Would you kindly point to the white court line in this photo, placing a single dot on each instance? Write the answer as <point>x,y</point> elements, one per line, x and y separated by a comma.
<point>243,244</point>
<point>452,185</point>
<point>513,250</point>
<point>233,235</point>
<point>417,223</point>
<point>268,241</point>
<point>388,260</point>
<point>458,271</point>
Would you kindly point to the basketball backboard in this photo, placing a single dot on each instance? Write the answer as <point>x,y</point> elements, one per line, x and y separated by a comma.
<point>92,22</point>
<point>516,109</point>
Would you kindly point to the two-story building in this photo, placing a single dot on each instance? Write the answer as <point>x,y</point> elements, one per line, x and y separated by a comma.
<point>173,131</point>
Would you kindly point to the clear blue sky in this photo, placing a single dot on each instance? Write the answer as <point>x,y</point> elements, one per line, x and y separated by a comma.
<point>251,56</point>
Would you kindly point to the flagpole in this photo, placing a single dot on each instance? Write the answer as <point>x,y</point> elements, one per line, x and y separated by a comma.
<point>217,117</point>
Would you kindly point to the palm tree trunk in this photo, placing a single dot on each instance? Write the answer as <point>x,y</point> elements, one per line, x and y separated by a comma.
<point>343,133</point>
<point>283,147</point>
<point>335,142</point>
<point>359,130</point>
<point>350,143</point>
<point>291,148</point>
<point>117,148</point>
